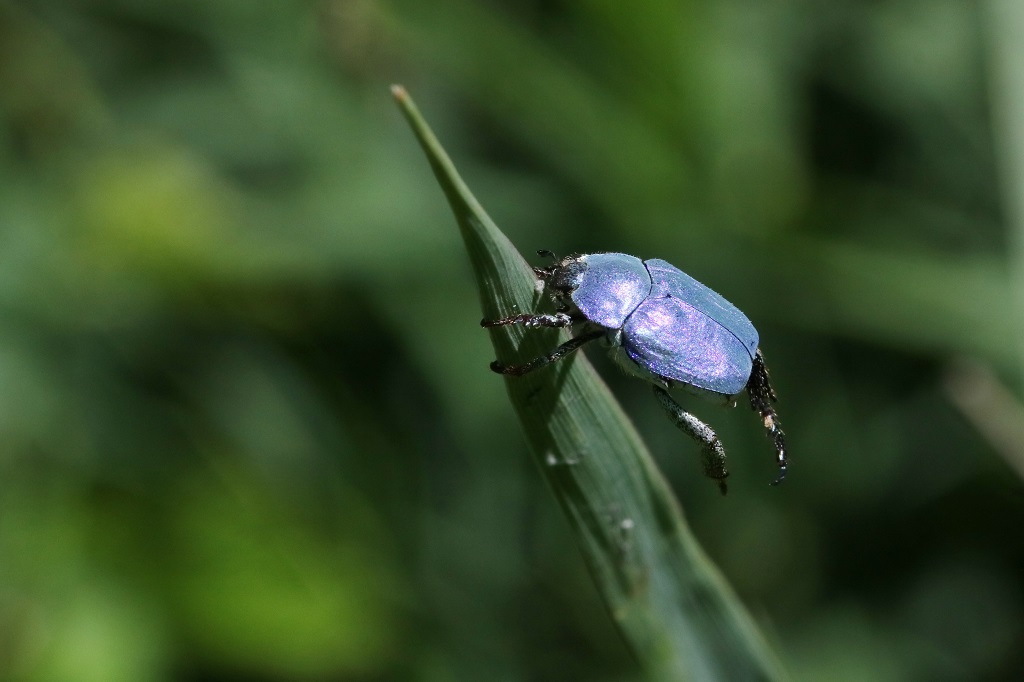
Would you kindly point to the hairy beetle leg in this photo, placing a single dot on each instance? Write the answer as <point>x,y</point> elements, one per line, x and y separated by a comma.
<point>555,355</point>
<point>712,452</point>
<point>530,320</point>
<point>761,398</point>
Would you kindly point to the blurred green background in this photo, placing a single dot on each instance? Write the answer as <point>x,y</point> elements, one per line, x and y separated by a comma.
<point>247,430</point>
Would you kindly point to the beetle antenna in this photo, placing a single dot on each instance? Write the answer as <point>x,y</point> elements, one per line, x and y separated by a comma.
<point>761,398</point>
<point>544,273</point>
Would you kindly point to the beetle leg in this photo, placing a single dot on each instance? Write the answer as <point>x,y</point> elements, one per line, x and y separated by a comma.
<point>557,354</point>
<point>761,398</point>
<point>712,452</point>
<point>530,320</point>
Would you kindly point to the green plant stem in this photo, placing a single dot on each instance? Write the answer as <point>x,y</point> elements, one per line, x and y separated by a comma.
<point>671,604</point>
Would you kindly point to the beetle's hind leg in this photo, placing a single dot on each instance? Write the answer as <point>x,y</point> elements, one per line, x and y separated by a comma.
<point>712,452</point>
<point>555,355</point>
<point>762,397</point>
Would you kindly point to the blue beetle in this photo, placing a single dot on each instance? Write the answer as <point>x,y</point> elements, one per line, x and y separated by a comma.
<point>662,326</point>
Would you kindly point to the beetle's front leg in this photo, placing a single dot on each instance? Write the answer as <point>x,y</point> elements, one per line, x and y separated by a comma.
<point>557,354</point>
<point>712,452</point>
<point>530,320</point>
<point>761,398</point>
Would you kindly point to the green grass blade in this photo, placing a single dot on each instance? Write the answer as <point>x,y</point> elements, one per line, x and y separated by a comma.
<point>672,606</point>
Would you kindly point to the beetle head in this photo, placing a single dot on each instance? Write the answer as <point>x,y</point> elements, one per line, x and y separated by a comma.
<point>563,278</point>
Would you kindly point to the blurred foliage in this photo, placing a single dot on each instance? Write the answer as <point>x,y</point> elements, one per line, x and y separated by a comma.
<point>248,427</point>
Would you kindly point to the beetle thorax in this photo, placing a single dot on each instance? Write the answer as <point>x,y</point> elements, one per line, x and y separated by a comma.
<point>608,287</point>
